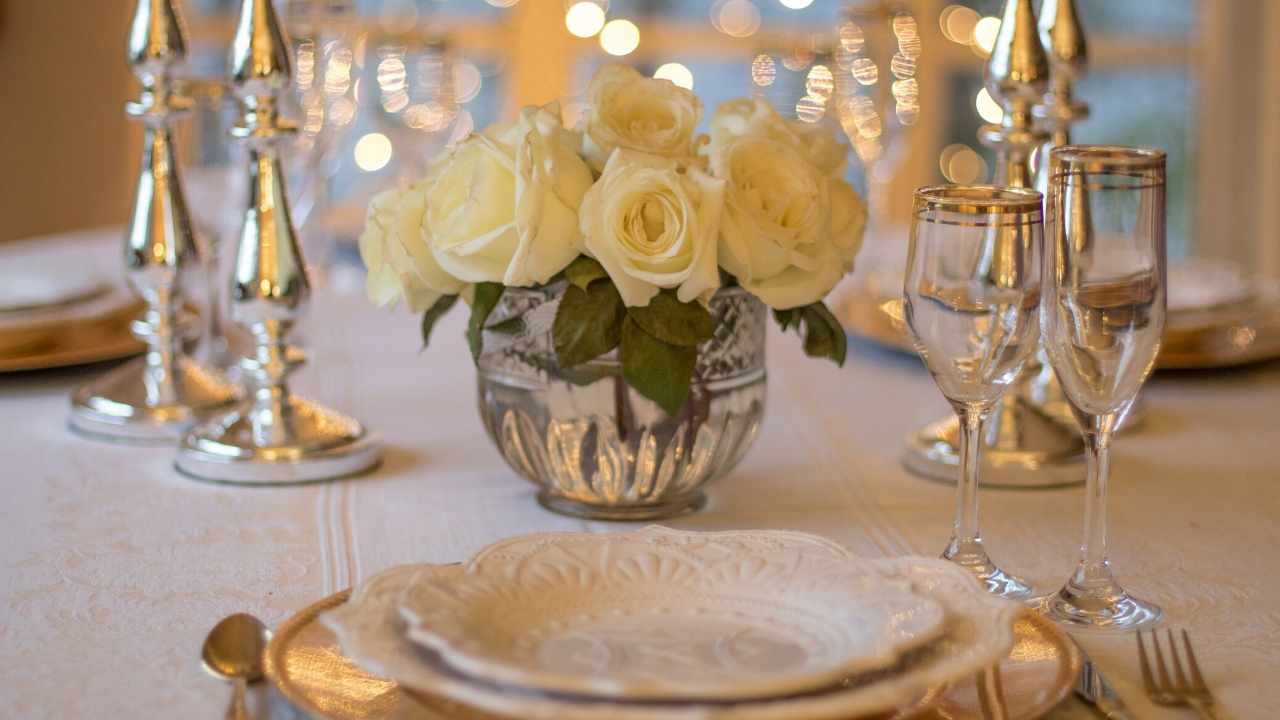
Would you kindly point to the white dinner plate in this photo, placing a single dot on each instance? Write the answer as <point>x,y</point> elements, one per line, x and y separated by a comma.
<point>661,614</point>
<point>978,632</point>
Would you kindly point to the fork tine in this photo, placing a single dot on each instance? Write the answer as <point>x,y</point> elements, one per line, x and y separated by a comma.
<point>1160,666</point>
<point>1147,683</point>
<point>1177,664</point>
<point>1192,664</point>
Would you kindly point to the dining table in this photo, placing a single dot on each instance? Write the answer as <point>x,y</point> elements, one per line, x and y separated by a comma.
<point>114,567</point>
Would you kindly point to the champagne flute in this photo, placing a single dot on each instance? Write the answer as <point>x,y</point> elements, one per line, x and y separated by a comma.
<point>971,295</point>
<point>1103,316</point>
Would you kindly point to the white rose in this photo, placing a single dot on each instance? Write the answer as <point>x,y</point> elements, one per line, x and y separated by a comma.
<point>754,116</point>
<point>503,204</point>
<point>396,255</point>
<point>629,110</point>
<point>776,233</point>
<point>848,221</point>
<point>652,223</point>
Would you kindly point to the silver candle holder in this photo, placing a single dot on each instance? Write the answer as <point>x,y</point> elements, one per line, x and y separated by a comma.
<point>274,436</point>
<point>157,397</point>
<point>1030,440</point>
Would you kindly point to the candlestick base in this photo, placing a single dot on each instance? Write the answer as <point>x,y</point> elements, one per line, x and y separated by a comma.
<point>135,404</point>
<point>297,441</point>
<point>1023,447</point>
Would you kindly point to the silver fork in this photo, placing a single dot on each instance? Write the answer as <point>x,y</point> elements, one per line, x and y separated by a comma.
<point>1176,691</point>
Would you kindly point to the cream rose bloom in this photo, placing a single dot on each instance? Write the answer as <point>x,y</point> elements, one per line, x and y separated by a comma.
<point>652,223</point>
<point>755,116</point>
<point>396,255</point>
<point>788,231</point>
<point>502,206</point>
<point>631,111</point>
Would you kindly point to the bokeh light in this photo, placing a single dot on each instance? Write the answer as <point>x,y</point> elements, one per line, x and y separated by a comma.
<point>584,19</point>
<point>796,4</point>
<point>984,34</point>
<point>962,164</point>
<point>988,108</point>
<point>763,70</point>
<point>957,23</point>
<point>620,37</point>
<point>820,83</point>
<point>466,81</point>
<point>736,18</point>
<point>372,152</point>
<point>675,72</point>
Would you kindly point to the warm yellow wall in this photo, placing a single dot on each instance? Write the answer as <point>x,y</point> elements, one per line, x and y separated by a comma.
<point>67,149</point>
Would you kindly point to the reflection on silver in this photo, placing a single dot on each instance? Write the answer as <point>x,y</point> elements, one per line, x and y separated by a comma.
<point>155,398</point>
<point>274,436</point>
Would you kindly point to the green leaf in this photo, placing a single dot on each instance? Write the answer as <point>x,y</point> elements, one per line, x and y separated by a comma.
<point>674,322</point>
<point>588,323</point>
<point>486,299</point>
<point>657,370</point>
<point>433,314</point>
<point>823,334</point>
<point>510,326</point>
<point>787,319</point>
<point>583,271</point>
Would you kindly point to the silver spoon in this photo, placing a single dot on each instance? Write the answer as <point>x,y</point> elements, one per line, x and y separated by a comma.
<point>233,652</point>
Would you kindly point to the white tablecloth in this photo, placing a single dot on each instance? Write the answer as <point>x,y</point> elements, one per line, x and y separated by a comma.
<point>113,567</point>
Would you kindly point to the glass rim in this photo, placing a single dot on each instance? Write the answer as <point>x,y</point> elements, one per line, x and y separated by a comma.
<point>978,199</point>
<point>1104,158</point>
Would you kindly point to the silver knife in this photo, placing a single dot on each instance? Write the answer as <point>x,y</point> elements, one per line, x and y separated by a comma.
<point>1094,689</point>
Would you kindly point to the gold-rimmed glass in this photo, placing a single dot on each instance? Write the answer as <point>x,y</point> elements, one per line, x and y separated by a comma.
<point>971,295</point>
<point>1103,316</point>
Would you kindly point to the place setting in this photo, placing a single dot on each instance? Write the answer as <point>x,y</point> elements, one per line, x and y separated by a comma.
<point>660,623</point>
<point>652,287</point>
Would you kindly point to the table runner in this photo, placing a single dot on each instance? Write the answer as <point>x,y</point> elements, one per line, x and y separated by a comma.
<point>113,567</point>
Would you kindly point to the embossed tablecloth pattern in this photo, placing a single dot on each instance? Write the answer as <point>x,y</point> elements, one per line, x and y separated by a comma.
<point>112,566</point>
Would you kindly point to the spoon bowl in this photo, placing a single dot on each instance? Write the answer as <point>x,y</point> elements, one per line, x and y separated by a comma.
<point>233,652</point>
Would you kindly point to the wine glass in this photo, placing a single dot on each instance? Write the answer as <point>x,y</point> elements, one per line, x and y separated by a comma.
<point>971,294</point>
<point>1103,315</point>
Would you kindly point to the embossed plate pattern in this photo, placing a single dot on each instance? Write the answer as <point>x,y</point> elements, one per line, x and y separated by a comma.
<point>979,631</point>
<point>657,614</point>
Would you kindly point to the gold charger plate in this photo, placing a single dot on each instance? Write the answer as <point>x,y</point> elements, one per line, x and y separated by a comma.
<point>1207,340</point>
<point>93,336</point>
<point>305,664</point>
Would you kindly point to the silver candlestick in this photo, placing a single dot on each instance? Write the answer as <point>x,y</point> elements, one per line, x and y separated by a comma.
<point>157,397</point>
<point>1030,440</point>
<point>273,437</point>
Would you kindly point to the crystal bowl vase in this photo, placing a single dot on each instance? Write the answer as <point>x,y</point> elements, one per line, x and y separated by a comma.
<point>594,446</point>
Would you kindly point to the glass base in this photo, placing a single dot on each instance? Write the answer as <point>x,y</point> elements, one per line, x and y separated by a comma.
<point>1109,608</point>
<point>996,581</point>
<point>634,513</point>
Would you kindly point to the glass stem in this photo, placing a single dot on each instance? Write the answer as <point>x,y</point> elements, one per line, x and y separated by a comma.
<point>966,536</point>
<point>1094,568</point>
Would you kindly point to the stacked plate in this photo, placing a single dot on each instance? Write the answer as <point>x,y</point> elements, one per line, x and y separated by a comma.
<point>59,305</point>
<point>659,624</point>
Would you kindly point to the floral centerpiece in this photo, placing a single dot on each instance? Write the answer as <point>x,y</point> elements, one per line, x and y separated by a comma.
<point>632,225</point>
